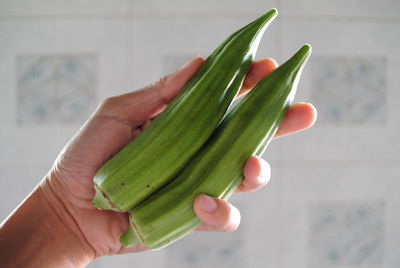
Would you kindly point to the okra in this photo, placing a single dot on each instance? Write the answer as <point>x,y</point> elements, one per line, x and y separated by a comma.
<point>156,155</point>
<point>216,170</point>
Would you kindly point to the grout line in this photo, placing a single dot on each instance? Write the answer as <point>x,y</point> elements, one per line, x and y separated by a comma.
<point>342,18</point>
<point>174,15</point>
<point>65,16</point>
<point>199,15</point>
<point>338,163</point>
<point>41,165</point>
<point>280,188</point>
<point>131,49</point>
<point>128,15</point>
<point>130,6</point>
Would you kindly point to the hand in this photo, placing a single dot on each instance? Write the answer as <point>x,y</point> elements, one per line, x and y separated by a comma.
<point>68,188</point>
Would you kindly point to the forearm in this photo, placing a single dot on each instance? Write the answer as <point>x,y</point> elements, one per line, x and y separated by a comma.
<point>39,234</point>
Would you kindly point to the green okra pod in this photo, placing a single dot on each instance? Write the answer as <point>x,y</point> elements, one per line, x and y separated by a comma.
<point>156,155</point>
<point>216,170</point>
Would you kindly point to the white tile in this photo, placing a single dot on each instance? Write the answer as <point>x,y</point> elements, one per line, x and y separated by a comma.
<point>366,135</point>
<point>148,259</point>
<point>33,145</point>
<point>371,8</point>
<point>199,7</point>
<point>108,40</point>
<point>208,249</point>
<point>55,89</point>
<point>61,7</point>
<point>157,41</point>
<point>343,193</point>
<point>350,90</point>
<point>273,153</point>
<point>95,264</point>
<point>173,62</point>
<point>16,182</point>
<point>346,233</point>
<point>262,214</point>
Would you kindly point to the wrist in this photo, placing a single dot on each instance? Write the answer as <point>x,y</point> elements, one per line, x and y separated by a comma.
<point>41,233</point>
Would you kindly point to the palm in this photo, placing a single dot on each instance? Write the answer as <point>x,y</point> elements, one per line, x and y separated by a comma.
<point>74,171</point>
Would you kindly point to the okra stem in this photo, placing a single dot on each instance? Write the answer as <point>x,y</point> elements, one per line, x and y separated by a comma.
<point>129,238</point>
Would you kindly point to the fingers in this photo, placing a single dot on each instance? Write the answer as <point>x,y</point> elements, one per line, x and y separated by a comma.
<point>216,214</point>
<point>258,70</point>
<point>257,173</point>
<point>300,116</point>
<point>219,215</point>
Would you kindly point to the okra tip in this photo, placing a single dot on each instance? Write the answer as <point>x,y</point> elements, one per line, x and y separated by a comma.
<point>270,14</point>
<point>306,49</point>
<point>274,10</point>
<point>300,57</point>
<point>266,18</point>
<point>305,52</point>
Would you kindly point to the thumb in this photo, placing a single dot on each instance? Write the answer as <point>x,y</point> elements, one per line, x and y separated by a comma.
<point>140,105</point>
<point>216,214</point>
<point>112,125</point>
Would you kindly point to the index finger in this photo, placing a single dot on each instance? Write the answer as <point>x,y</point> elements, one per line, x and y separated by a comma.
<point>299,116</point>
<point>258,70</point>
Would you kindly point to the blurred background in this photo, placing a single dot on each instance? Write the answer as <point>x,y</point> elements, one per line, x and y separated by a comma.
<point>334,197</point>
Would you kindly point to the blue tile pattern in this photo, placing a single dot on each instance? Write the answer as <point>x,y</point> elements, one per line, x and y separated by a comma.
<point>208,250</point>
<point>55,89</point>
<point>344,233</point>
<point>349,90</point>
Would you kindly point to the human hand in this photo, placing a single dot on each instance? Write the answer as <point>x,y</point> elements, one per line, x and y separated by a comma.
<point>118,120</point>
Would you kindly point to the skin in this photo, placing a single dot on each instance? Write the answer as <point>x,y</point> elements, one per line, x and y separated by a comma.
<point>57,226</point>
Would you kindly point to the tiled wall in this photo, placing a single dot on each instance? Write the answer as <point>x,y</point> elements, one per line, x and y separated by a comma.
<point>333,199</point>
<point>55,89</point>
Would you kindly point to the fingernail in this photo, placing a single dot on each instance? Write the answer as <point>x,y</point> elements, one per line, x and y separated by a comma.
<point>265,171</point>
<point>262,180</point>
<point>207,203</point>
